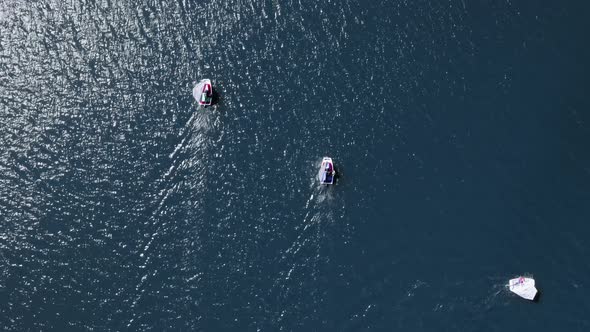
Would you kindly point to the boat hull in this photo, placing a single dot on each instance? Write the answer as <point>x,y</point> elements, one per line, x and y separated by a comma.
<point>523,287</point>
<point>203,92</point>
<point>327,173</point>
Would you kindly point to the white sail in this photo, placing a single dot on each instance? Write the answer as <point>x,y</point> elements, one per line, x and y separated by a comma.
<point>523,287</point>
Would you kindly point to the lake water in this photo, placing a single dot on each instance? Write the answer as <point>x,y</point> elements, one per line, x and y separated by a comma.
<point>459,130</point>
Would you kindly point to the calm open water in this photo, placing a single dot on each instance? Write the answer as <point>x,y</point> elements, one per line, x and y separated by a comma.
<point>460,130</point>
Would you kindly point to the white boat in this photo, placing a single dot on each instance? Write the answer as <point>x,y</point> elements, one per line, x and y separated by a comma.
<point>203,92</point>
<point>523,287</point>
<point>327,171</point>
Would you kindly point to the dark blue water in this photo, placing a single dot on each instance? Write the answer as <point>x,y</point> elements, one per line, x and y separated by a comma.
<point>460,131</point>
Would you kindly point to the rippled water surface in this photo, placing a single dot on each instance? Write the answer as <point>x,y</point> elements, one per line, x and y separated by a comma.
<point>460,131</point>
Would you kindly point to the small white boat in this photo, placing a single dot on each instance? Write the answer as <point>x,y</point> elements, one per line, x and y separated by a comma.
<point>327,171</point>
<point>203,92</point>
<point>523,287</point>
